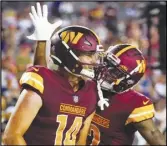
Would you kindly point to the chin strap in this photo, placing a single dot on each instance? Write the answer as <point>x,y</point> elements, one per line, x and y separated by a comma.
<point>103,101</point>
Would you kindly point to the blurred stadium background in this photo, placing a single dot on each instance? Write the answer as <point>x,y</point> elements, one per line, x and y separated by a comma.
<point>140,23</point>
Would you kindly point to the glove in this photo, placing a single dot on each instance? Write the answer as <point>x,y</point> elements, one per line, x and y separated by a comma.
<point>103,101</point>
<point>43,29</point>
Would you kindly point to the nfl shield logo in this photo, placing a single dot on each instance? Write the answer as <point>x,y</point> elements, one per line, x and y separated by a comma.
<point>75,98</point>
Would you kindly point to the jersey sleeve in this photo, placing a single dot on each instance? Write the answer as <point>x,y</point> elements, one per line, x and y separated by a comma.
<point>33,79</point>
<point>144,109</point>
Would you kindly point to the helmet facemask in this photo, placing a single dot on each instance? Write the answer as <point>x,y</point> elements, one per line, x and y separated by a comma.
<point>112,75</point>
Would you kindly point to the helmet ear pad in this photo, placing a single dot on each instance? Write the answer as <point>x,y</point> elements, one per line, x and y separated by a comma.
<point>66,57</point>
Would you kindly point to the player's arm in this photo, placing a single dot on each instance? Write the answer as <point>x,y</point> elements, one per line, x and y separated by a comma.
<point>150,132</point>
<point>85,130</point>
<point>26,109</point>
<point>40,54</point>
<point>44,30</point>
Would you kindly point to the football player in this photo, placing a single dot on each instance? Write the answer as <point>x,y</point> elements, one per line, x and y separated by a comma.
<point>129,110</point>
<point>56,107</point>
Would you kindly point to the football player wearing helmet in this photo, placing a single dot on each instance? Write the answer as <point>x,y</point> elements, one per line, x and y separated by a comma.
<point>129,111</point>
<point>56,107</point>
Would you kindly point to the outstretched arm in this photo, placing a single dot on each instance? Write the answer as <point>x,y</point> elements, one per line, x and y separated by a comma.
<point>150,132</point>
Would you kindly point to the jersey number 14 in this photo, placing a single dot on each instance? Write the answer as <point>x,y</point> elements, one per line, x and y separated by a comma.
<point>70,135</point>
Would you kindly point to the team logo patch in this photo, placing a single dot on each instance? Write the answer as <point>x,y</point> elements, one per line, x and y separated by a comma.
<point>75,98</point>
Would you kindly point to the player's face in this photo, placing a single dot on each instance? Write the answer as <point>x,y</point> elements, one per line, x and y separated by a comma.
<point>88,59</point>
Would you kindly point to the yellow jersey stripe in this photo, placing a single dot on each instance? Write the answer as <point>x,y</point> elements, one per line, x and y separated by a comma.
<point>142,109</point>
<point>140,114</point>
<point>34,80</point>
<point>140,117</point>
<point>124,50</point>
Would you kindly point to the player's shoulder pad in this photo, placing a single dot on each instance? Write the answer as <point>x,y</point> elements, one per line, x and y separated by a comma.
<point>142,110</point>
<point>140,99</point>
<point>34,78</point>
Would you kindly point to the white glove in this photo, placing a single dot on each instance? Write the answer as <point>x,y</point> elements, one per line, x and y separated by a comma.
<point>103,101</point>
<point>43,29</point>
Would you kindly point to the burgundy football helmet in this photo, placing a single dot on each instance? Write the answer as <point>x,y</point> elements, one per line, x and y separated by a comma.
<point>71,41</point>
<point>124,65</point>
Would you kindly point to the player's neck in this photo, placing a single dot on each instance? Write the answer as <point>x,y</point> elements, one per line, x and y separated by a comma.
<point>72,79</point>
<point>74,82</point>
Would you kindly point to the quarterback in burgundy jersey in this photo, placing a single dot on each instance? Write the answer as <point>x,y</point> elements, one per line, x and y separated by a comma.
<point>129,110</point>
<point>63,111</point>
<point>56,107</point>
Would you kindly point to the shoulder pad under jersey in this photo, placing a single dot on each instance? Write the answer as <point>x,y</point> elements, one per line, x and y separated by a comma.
<point>143,109</point>
<point>34,78</point>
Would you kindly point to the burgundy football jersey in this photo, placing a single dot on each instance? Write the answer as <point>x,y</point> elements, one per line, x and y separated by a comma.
<point>63,111</point>
<point>114,125</point>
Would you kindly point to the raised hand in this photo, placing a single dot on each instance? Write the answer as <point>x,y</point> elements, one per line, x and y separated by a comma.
<point>43,29</point>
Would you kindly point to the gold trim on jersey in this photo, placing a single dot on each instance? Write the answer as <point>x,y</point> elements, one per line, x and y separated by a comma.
<point>72,109</point>
<point>101,121</point>
<point>124,50</point>
<point>140,114</point>
<point>34,80</point>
